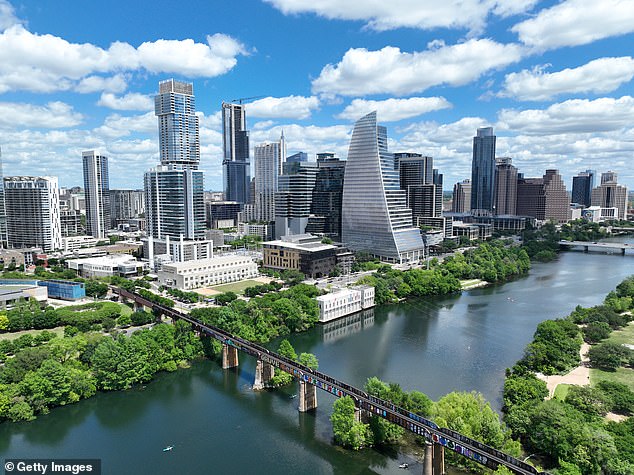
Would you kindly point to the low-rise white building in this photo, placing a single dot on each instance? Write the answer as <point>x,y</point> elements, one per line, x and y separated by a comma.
<point>344,302</point>
<point>190,275</point>
<point>115,264</point>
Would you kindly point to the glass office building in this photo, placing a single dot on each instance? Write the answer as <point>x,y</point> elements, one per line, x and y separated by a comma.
<point>375,218</point>
<point>483,172</point>
<point>97,193</point>
<point>236,168</point>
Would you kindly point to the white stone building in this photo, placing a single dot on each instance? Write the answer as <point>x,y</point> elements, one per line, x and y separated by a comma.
<point>190,275</point>
<point>344,302</point>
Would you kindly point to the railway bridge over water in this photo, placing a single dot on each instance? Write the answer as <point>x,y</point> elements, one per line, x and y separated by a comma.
<point>438,438</point>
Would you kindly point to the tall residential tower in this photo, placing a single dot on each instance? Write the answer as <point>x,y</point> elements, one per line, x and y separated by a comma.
<point>97,193</point>
<point>483,172</point>
<point>235,144</point>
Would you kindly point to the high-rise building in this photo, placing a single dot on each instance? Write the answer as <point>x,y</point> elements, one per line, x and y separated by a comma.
<point>325,218</point>
<point>461,202</point>
<point>97,193</point>
<point>32,206</point>
<point>505,202</point>
<point>3,210</point>
<point>174,190</point>
<point>483,172</point>
<point>175,107</point>
<point>126,205</point>
<point>421,183</point>
<point>609,194</point>
<point>375,218</point>
<point>293,198</point>
<point>582,186</point>
<point>543,198</point>
<point>235,143</point>
<point>268,159</point>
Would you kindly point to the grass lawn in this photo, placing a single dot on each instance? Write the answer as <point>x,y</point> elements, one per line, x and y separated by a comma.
<point>626,335</point>
<point>13,335</point>
<point>237,287</point>
<point>561,391</point>
<point>125,309</point>
<point>621,375</point>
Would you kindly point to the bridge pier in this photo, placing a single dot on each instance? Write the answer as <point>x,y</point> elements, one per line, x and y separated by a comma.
<point>229,356</point>
<point>138,307</point>
<point>263,374</point>
<point>307,397</point>
<point>585,248</point>
<point>623,251</point>
<point>434,463</point>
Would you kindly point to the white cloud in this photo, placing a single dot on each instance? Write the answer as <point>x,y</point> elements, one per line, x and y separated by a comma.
<point>577,22</point>
<point>391,71</point>
<point>573,116</point>
<point>115,84</point>
<point>47,63</point>
<point>290,107</point>
<point>116,125</point>
<point>130,102</point>
<point>598,76</point>
<point>424,14</point>
<point>7,15</point>
<point>53,115</point>
<point>311,139</point>
<point>391,110</point>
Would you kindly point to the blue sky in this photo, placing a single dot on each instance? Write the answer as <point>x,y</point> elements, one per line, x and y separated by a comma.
<point>554,79</point>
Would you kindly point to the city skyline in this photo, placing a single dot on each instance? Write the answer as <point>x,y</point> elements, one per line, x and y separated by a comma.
<point>556,97</point>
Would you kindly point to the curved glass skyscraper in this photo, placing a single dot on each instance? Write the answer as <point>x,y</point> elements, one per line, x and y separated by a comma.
<point>375,218</point>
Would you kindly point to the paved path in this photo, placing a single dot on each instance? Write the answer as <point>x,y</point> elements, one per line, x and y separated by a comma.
<point>579,376</point>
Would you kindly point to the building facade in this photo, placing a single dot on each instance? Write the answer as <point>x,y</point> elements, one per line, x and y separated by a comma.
<point>236,168</point>
<point>343,302</point>
<point>505,201</point>
<point>582,186</point>
<point>3,210</point>
<point>304,253</point>
<point>375,218</point>
<point>268,159</point>
<point>97,193</point>
<point>220,213</point>
<point>543,198</point>
<point>609,194</point>
<point>205,272</point>
<point>461,202</point>
<point>325,209</point>
<point>483,171</point>
<point>126,205</point>
<point>33,217</point>
<point>294,198</point>
<point>422,186</point>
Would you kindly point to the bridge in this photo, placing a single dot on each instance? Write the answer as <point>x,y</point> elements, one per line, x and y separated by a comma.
<point>602,246</point>
<point>438,438</point>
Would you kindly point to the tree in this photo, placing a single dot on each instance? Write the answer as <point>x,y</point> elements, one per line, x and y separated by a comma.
<point>286,350</point>
<point>96,289</point>
<point>619,396</point>
<point>596,331</point>
<point>347,430</point>
<point>310,360</point>
<point>589,401</point>
<point>608,356</point>
<point>4,322</point>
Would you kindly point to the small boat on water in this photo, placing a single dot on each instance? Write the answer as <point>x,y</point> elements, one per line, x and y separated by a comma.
<point>403,465</point>
<point>168,448</point>
<point>293,396</point>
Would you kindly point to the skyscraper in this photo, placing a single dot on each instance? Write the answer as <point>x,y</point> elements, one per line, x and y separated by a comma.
<point>3,210</point>
<point>32,205</point>
<point>543,198</point>
<point>461,197</point>
<point>293,198</point>
<point>268,159</point>
<point>483,172</point>
<point>325,209</point>
<point>609,194</point>
<point>125,205</point>
<point>97,193</point>
<point>235,143</point>
<point>375,218</point>
<point>421,183</point>
<point>582,185</point>
<point>174,190</point>
<point>505,202</point>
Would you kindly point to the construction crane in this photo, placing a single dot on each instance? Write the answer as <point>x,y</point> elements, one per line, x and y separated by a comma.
<point>240,100</point>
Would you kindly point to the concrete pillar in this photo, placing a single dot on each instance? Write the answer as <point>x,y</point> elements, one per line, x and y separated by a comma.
<point>263,374</point>
<point>585,248</point>
<point>138,307</point>
<point>357,414</point>
<point>428,467</point>
<point>229,356</point>
<point>438,460</point>
<point>307,397</point>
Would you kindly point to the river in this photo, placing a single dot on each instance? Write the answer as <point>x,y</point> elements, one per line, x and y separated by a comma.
<point>217,424</point>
